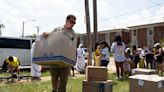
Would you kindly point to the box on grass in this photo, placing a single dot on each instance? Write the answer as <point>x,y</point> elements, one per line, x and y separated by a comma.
<point>96,73</point>
<point>97,86</point>
<point>57,50</point>
<point>144,71</point>
<point>146,83</point>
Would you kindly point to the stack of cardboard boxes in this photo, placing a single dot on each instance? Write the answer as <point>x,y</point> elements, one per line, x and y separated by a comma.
<point>145,80</point>
<point>146,83</point>
<point>96,80</point>
<point>144,71</point>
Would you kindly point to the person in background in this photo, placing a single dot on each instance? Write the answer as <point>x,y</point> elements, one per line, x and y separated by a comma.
<point>97,55</point>
<point>118,47</point>
<point>128,52</point>
<point>80,64</point>
<point>59,75</point>
<point>141,56</point>
<point>127,65</point>
<point>135,55</point>
<point>35,68</point>
<point>105,54</point>
<point>154,60</point>
<point>159,58</point>
<point>12,64</point>
<point>149,58</point>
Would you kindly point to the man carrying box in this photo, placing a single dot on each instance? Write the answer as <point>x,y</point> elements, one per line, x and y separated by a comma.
<point>60,74</point>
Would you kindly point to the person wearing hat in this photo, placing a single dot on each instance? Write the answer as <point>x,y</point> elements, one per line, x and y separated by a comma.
<point>80,64</point>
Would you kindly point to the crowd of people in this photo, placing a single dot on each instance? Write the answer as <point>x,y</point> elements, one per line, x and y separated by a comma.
<point>126,58</point>
<point>100,56</point>
<point>149,57</point>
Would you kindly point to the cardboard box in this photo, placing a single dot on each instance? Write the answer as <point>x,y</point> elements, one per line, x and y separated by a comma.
<point>146,83</point>
<point>96,73</point>
<point>144,71</point>
<point>57,50</point>
<point>97,86</point>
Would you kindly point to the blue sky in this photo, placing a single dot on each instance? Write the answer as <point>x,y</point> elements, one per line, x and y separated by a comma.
<point>51,13</point>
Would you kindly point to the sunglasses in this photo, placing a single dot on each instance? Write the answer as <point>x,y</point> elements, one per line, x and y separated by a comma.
<point>72,21</point>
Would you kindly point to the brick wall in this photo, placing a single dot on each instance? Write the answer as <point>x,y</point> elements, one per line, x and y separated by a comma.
<point>126,37</point>
<point>101,37</point>
<point>158,33</point>
<point>142,37</point>
<point>112,37</point>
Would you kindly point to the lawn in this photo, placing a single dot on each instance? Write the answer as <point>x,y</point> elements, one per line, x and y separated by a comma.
<point>74,85</point>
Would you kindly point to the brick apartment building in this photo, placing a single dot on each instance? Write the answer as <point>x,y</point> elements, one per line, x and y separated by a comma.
<point>147,35</point>
<point>140,35</point>
<point>106,35</point>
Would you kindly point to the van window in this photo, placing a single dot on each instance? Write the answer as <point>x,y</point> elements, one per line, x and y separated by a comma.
<point>15,43</point>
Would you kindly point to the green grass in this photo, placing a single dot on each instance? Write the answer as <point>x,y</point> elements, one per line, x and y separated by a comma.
<point>74,85</point>
<point>119,86</point>
<point>26,73</point>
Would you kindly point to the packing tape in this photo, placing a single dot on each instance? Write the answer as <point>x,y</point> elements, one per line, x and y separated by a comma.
<point>133,71</point>
<point>140,82</point>
<point>160,84</point>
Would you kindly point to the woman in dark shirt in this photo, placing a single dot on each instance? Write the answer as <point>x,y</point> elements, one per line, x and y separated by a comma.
<point>159,58</point>
<point>135,56</point>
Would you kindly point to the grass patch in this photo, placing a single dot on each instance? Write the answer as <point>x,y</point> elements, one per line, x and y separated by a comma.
<point>27,73</point>
<point>119,86</point>
<point>74,85</point>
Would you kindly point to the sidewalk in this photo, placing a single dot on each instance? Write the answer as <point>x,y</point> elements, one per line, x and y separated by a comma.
<point>111,65</point>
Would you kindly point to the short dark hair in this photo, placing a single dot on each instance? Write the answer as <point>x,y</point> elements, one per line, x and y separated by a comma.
<point>71,16</point>
<point>105,44</point>
<point>11,58</point>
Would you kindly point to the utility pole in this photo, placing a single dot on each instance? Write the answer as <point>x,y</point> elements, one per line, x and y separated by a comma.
<point>89,45</point>
<point>95,22</point>
<point>23,29</point>
<point>23,26</point>
<point>38,29</point>
<point>1,26</point>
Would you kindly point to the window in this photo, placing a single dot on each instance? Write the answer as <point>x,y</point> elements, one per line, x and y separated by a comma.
<point>14,43</point>
<point>150,32</point>
<point>150,42</point>
<point>135,42</point>
<point>134,32</point>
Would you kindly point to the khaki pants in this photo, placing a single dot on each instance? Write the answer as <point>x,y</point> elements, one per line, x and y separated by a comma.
<point>59,77</point>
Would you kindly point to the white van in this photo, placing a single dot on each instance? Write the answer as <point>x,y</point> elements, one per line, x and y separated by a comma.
<point>16,46</point>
